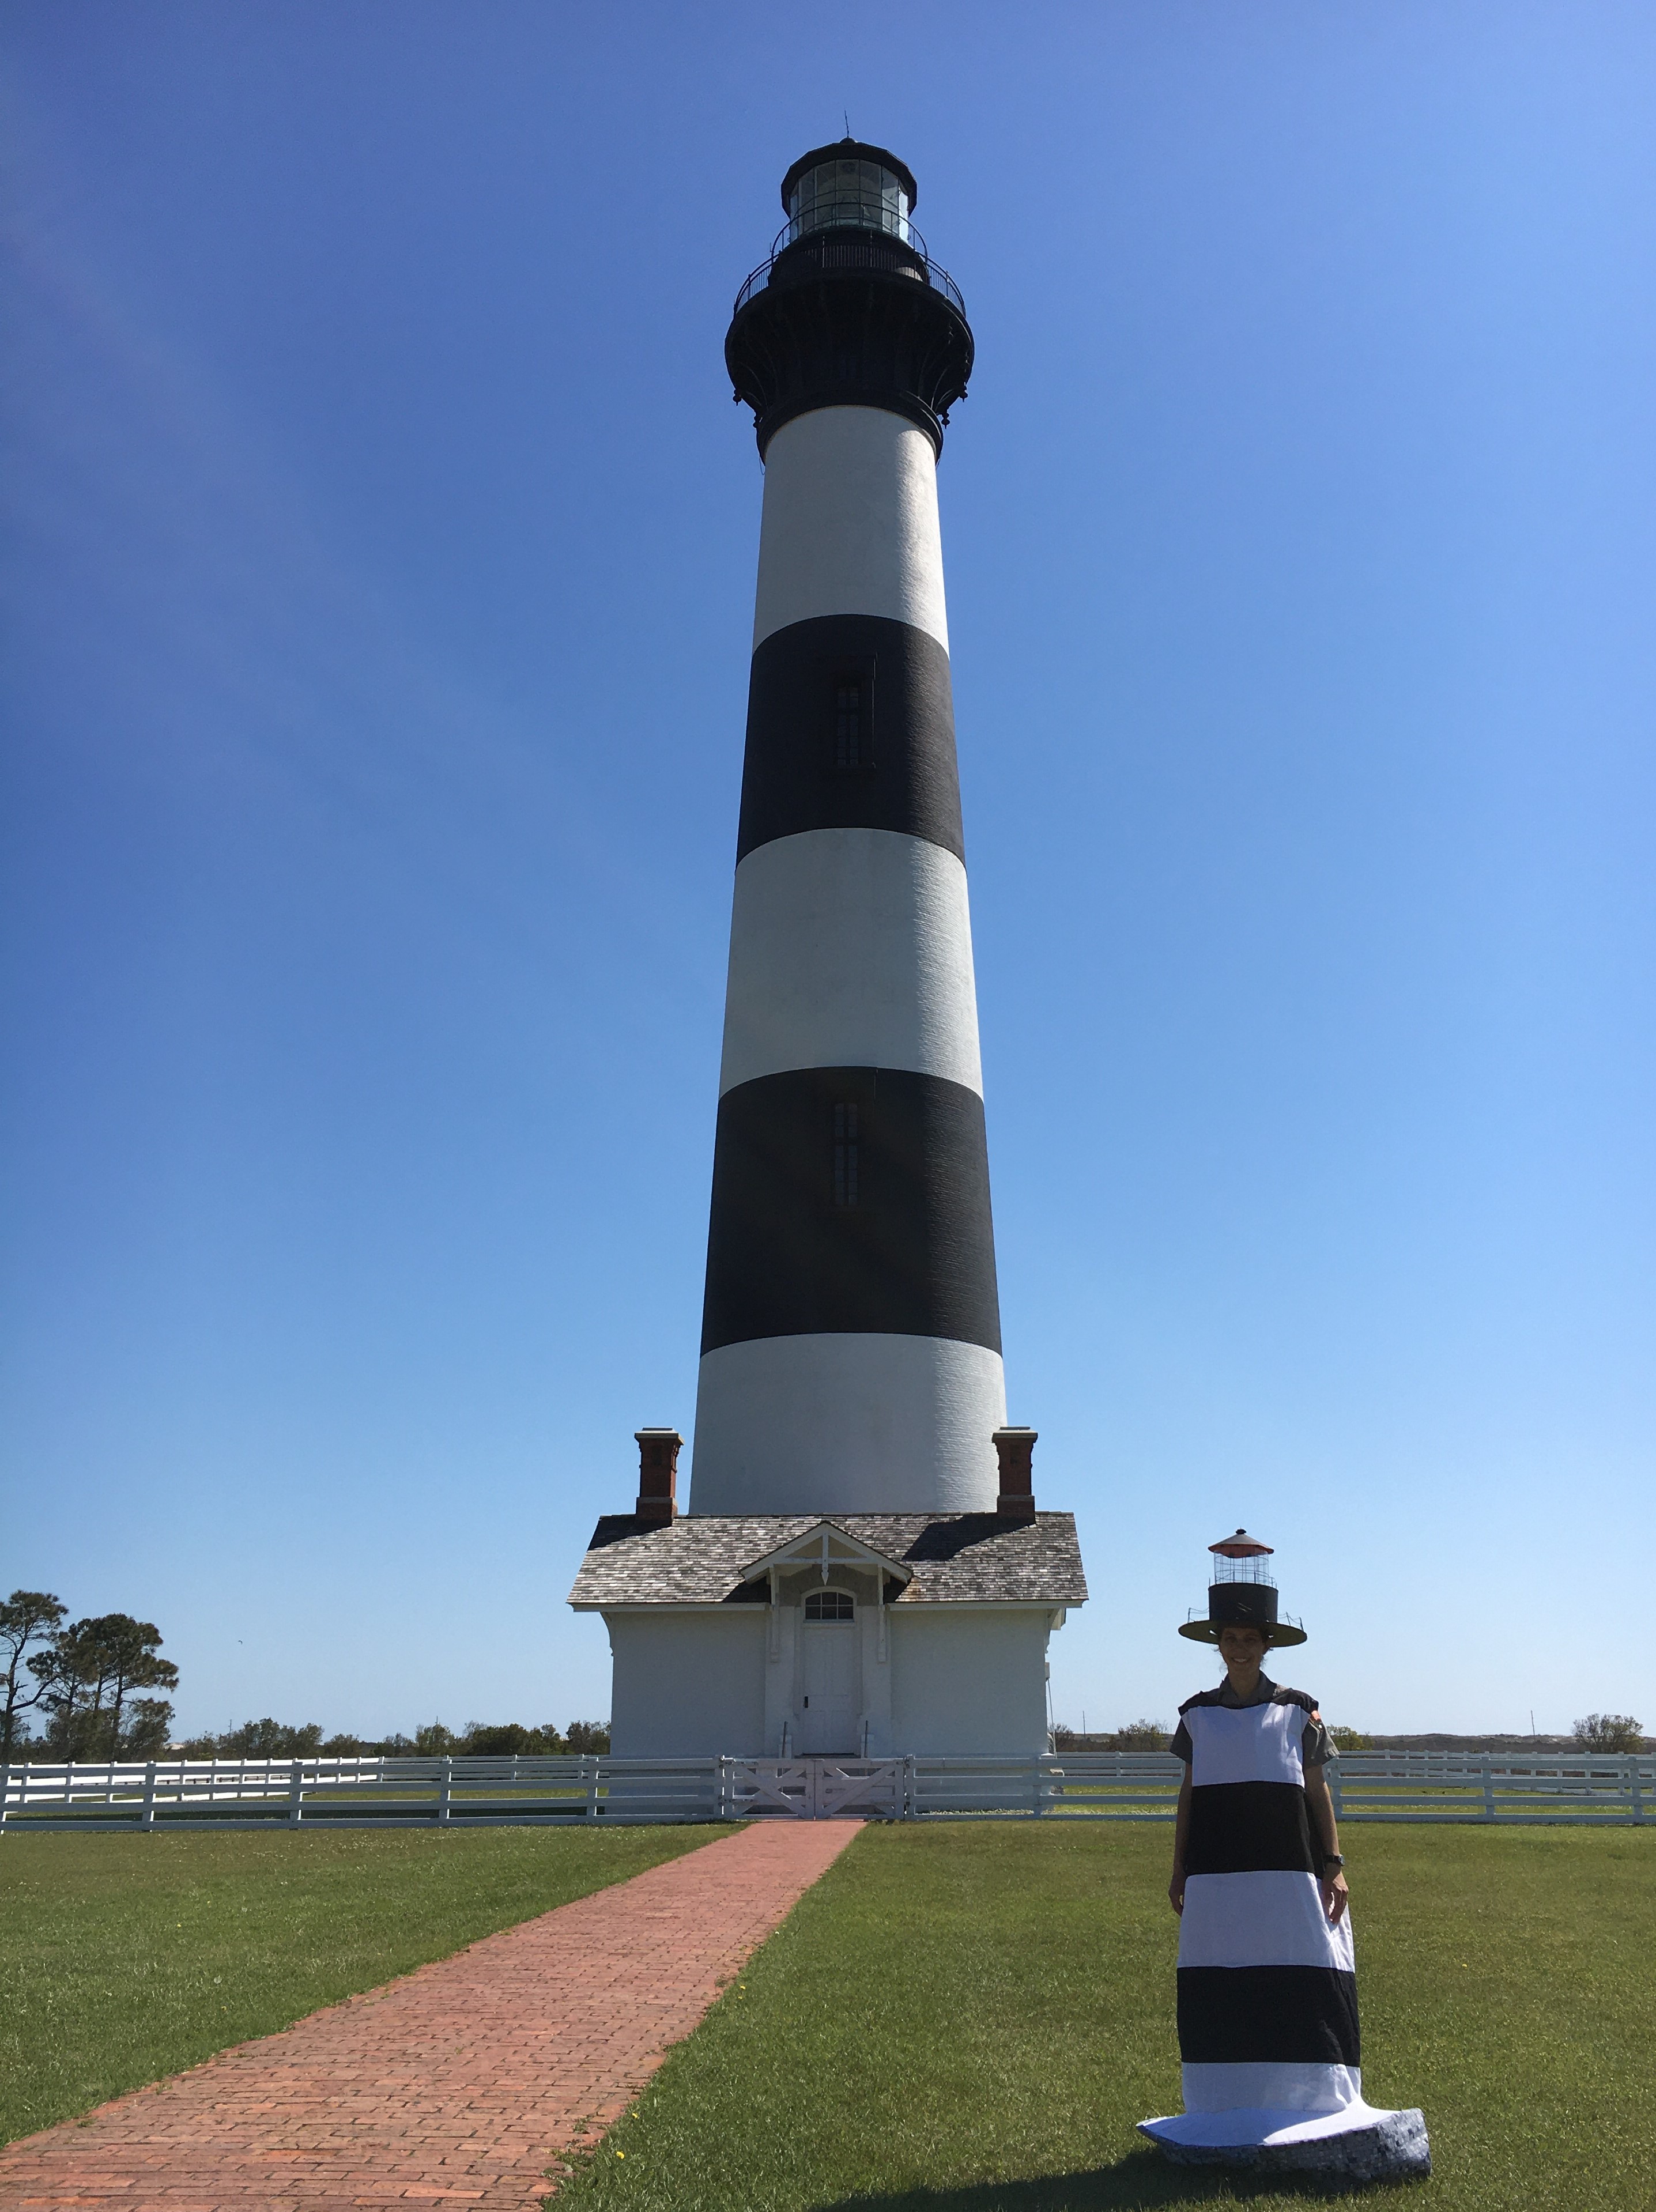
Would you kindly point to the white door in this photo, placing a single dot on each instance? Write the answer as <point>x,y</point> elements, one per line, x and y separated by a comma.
<point>828,1709</point>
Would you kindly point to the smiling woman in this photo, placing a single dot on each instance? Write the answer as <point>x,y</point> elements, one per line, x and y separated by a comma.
<point>1267,1979</point>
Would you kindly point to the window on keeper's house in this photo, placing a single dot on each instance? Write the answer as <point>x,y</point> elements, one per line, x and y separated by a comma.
<point>829,1605</point>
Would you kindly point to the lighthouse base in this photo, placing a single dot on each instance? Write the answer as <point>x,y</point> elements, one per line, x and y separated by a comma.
<point>1358,2143</point>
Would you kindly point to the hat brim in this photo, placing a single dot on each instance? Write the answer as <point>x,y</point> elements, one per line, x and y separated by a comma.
<point>1277,1635</point>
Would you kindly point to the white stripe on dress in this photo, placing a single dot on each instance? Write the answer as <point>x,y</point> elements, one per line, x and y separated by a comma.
<point>1245,1743</point>
<point>1260,1919</point>
<point>1296,2086</point>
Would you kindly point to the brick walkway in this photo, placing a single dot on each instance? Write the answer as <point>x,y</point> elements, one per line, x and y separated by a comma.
<point>461,2083</point>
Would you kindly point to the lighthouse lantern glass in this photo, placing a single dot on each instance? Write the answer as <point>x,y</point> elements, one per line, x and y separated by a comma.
<point>859,194</point>
<point>1254,1570</point>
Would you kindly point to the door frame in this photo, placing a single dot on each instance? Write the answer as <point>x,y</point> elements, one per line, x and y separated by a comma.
<point>852,1630</point>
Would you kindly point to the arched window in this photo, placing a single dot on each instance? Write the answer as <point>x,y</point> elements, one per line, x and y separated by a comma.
<point>829,1605</point>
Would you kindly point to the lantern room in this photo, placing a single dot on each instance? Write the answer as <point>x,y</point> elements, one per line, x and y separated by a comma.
<point>1241,1559</point>
<point>851,183</point>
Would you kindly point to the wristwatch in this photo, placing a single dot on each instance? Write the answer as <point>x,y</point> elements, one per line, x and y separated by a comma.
<point>1333,1860</point>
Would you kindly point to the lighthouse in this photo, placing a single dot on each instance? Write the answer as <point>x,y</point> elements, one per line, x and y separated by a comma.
<point>851,1331</point>
<point>862,1570</point>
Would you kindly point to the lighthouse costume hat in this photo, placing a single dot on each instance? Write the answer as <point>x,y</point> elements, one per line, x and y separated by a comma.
<point>1267,1984</point>
<point>1242,1595</point>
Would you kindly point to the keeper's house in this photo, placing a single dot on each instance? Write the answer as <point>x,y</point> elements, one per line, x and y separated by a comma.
<point>864,1635</point>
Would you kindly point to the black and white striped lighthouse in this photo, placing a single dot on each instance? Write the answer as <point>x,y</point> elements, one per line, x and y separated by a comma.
<point>862,1573</point>
<point>851,1340</point>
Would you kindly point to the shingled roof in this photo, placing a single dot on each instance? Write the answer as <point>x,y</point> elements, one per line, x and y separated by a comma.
<point>952,1558</point>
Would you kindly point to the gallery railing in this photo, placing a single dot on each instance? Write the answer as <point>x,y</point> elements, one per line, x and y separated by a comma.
<point>1557,1789</point>
<point>853,249</point>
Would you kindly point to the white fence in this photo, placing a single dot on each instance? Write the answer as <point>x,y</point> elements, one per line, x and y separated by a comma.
<point>1542,1788</point>
<point>360,1793</point>
<point>1506,1789</point>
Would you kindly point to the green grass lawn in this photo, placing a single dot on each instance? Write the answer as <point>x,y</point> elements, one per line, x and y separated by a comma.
<point>972,2018</point>
<point>124,1957</point>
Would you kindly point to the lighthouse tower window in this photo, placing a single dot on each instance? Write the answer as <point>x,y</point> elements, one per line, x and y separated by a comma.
<point>848,727</point>
<point>847,699</point>
<point>845,1157</point>
<point>829,1605</point>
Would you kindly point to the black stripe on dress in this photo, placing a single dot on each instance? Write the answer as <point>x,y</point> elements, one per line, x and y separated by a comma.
<point>851,1199</point>
<point>1277,2016</point>
<point>850,726</point>
<point>1249,1827</point>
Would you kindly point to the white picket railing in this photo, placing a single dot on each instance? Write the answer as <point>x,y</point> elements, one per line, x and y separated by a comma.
<point>362,1792</point>
<point>1506,1789</point>
<point>1537,1789</point>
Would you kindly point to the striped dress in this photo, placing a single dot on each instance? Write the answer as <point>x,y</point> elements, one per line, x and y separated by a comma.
<point>1267,1989</point>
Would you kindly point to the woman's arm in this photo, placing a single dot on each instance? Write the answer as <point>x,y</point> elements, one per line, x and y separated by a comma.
<point>1181,1839</point>
<point>1326,1836</point>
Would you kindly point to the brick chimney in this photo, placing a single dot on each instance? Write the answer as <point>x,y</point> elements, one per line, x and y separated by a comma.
<point>1016,1447</point>
<point>658,1473</point>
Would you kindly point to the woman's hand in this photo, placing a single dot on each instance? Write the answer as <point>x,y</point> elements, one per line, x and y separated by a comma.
<point>1335,1896</point>
<point>1181,1844</point>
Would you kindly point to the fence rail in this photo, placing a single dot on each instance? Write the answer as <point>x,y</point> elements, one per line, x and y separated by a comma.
<point>1508,1789</point>
<point>361,1792</point>
<point>1505,1789</point>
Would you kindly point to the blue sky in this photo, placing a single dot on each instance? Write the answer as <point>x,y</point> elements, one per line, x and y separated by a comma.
<point>379,562</point>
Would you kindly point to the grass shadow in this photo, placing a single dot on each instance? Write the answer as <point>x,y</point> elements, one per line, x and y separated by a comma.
<point>1138,2183</point>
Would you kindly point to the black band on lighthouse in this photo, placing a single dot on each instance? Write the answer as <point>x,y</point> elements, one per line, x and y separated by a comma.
<point>850,1199</point>
<point>897,772</point>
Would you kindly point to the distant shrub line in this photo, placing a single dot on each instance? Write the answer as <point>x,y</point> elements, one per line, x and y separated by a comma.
<point>1598,1732</point>
<point>1137,1735</point>
<point>1155,1736</point>
<point>269,1739</point>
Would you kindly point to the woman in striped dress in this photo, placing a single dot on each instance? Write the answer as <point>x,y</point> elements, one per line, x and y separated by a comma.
<point>1267,1981</point>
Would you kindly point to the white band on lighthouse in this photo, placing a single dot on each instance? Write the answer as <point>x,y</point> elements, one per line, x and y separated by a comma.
<point>848,1423</point>
<point>851,948</point>
<point>851,525</point>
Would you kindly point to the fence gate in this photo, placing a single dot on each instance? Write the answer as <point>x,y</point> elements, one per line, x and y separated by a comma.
<point>816,1788</point>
